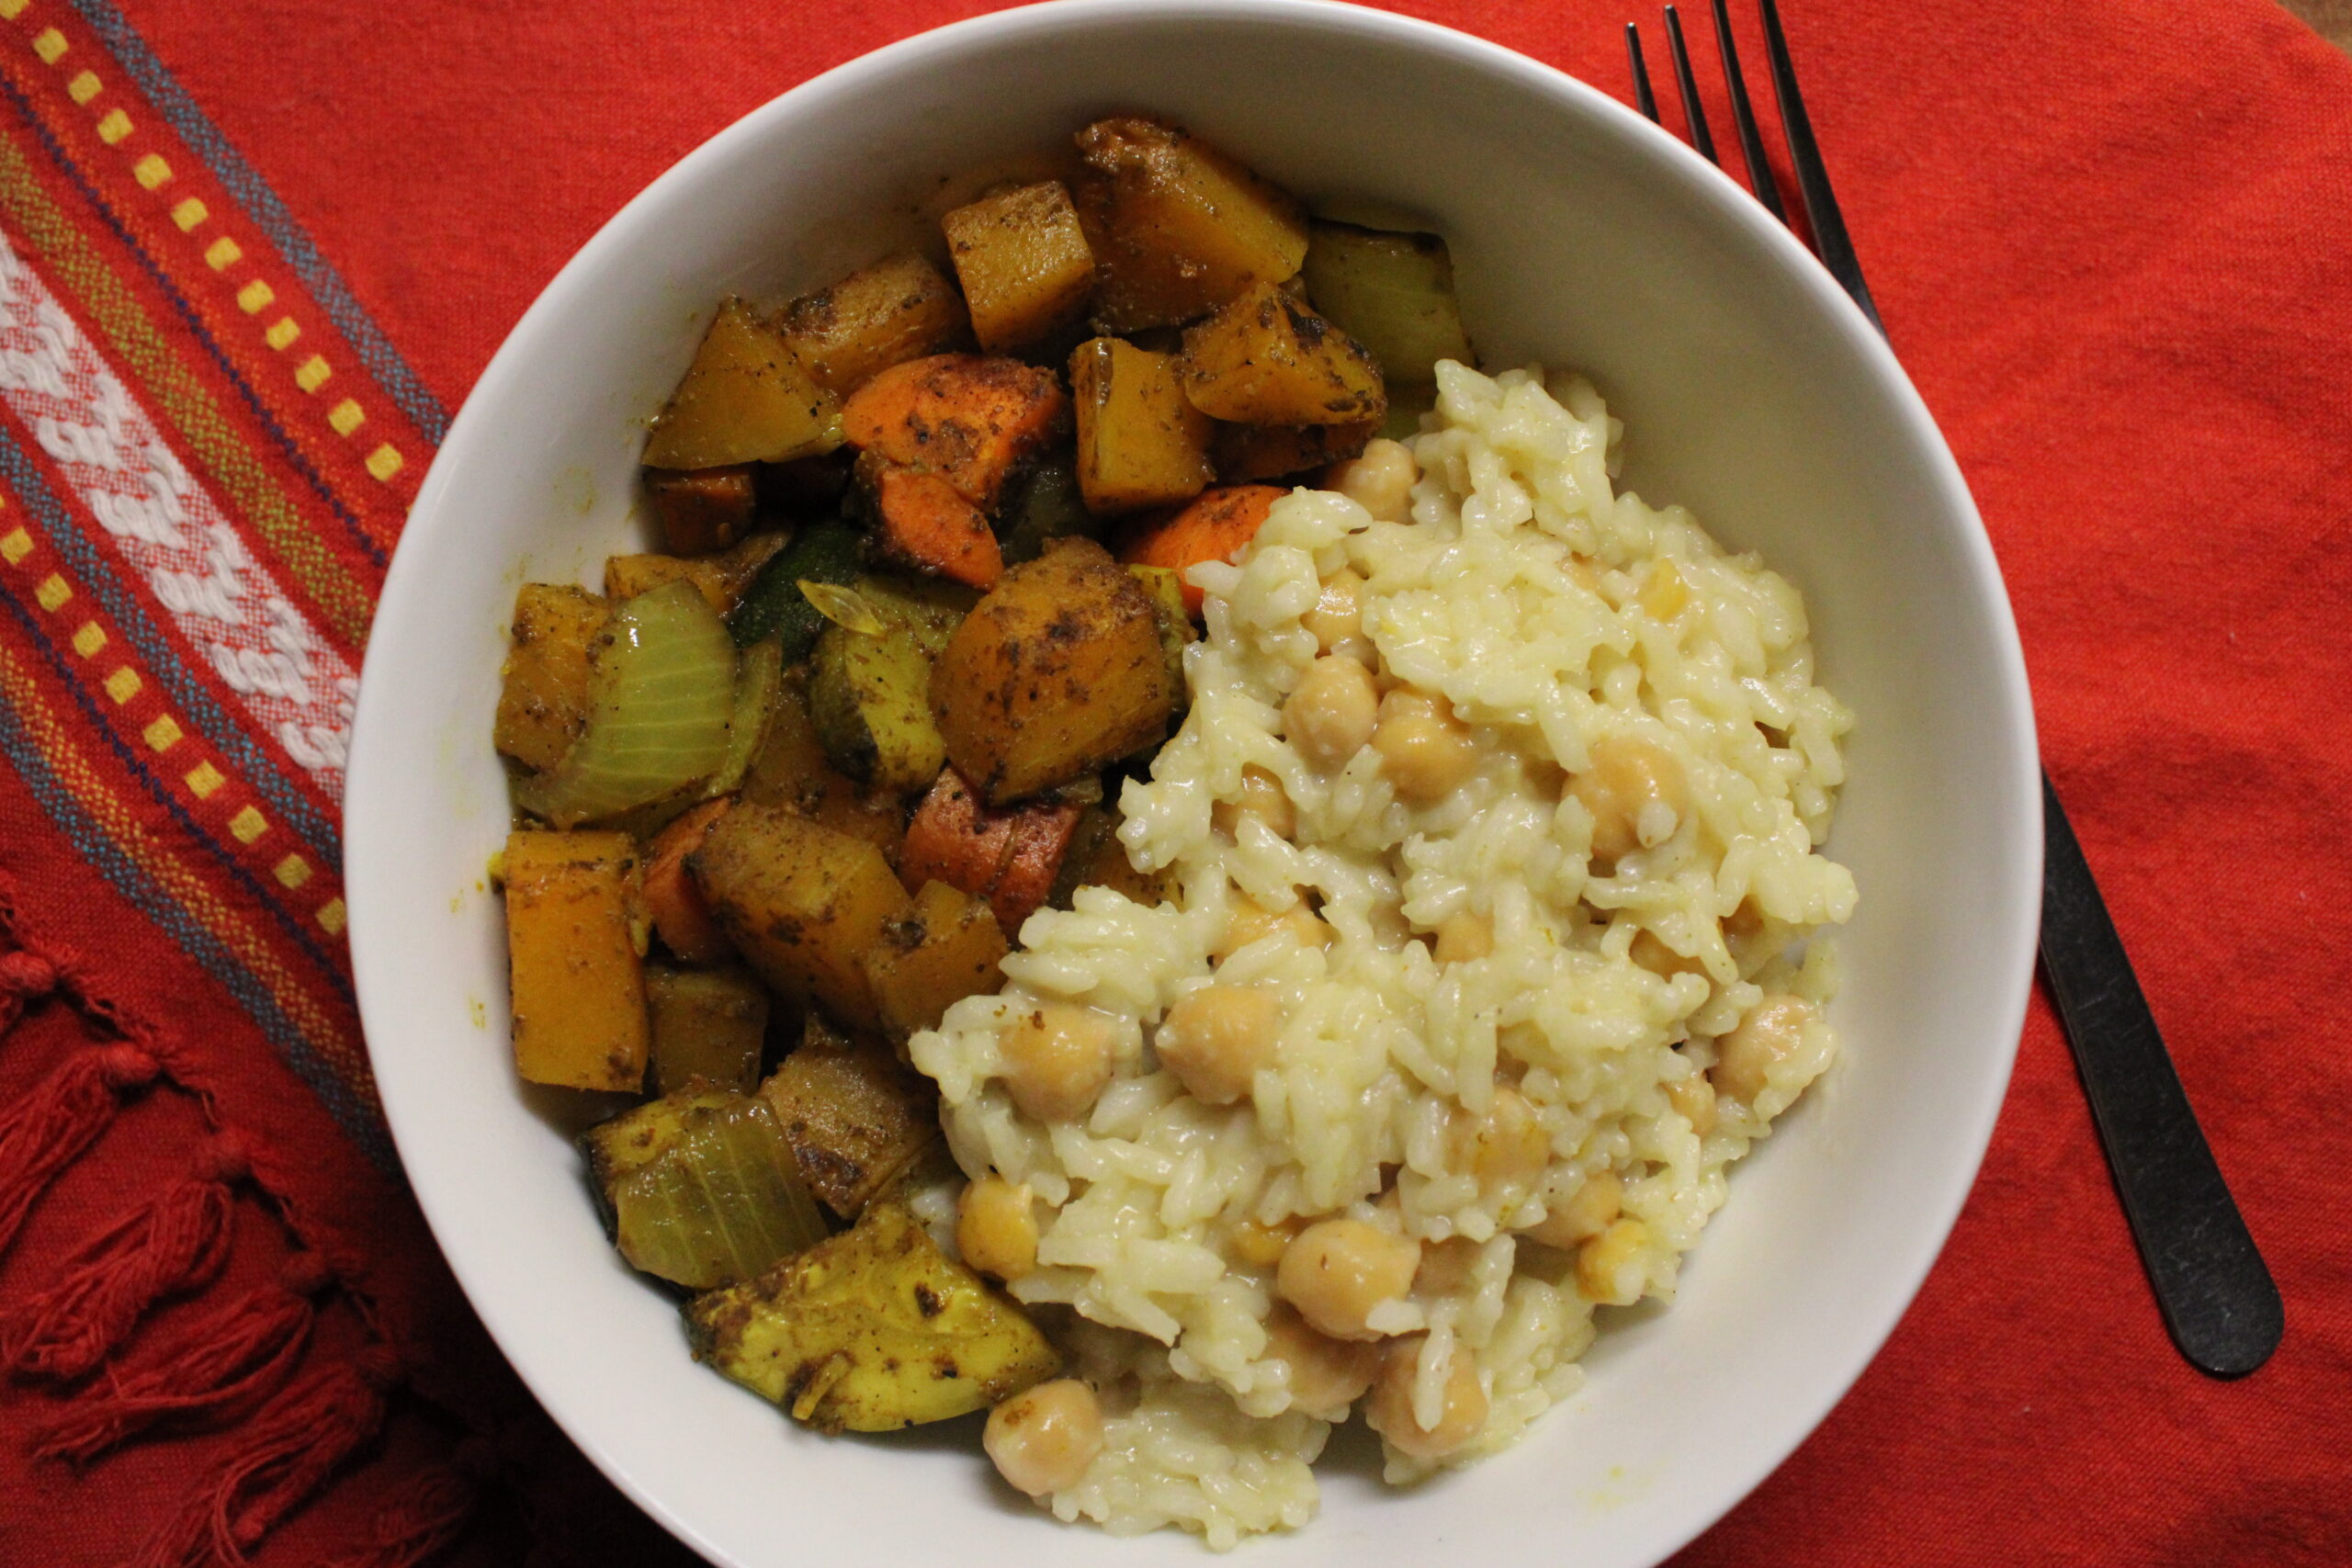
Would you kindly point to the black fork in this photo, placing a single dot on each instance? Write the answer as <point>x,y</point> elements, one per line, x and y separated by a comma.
<point>2217,1297</point>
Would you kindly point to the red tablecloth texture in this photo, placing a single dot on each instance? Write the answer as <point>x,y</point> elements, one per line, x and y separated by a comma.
<point>256,252</point>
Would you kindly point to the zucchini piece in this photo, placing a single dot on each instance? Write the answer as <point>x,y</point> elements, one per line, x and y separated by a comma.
<point>1393,293</point>
<point>869,693</point>
<point>700,1189</point>
<point>1049,507</point>
<point>708,1024</point>
<point>772,604</point>
<point>873,1330</point>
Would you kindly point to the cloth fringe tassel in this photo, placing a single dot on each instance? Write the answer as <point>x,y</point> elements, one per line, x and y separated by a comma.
<point>219,1370</point>
<point>414,1527</point>
<point>177,1243</point>
<point>24,977</point>
<point>42,1133</point>
<point>288,1451</point>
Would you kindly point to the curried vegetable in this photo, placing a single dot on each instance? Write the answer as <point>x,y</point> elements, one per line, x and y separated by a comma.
<point>722,578</point>
<point>901,308</point>
<point>772,604</point>
<point>1050,507</point>
<point>801,902</point>
<point>746,399</point>
<point>672,902</point>
<point>1244,453</point>
<point>759,675</point>
<point>1058,672</point>
<point>1393,293</point>
<point>873,1330</point>
<point>708,1024</point>
<point>574,921</point>
<point>543,693</point>
<point>1176,228</point>
<point>791,772</point>
<point>1024,265</point>
<point>1141,441</point>
<point>968,420</point>
<point>1176,633</point>
<point>1097,859</point>
<point>701,511</point>
<point>855,1117</point>
<point>921,523</point>
<point>698,1188</point>
<point>660,701</point>
<point>869,697</point>
<point>1009,856</point>
<point>1212,528</point>
<point>950,947</point>
<point>1267,359</point>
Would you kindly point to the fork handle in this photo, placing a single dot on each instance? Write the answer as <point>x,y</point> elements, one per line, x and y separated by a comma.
<point>2217,1297</point>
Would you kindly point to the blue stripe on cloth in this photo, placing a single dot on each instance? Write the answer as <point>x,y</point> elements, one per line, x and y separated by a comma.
<point>165,796</point>
<point>262,204</point>
<point>195,324</point>
<point>257,765</point>
<point>135,885</point>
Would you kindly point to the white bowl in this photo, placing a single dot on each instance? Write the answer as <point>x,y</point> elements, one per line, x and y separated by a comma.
<point>1752,390</point>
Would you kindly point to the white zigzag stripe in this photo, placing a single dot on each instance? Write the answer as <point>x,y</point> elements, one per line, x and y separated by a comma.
<point>169,530</point>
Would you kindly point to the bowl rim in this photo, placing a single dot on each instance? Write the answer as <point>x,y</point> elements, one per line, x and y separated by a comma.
<point>2014,956</point>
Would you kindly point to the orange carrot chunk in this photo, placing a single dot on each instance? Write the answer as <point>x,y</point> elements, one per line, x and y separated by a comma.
<point>921,522</point>
<point>1211,528</point>
<point>1010,856</point>
<point>969,420</point>
<point>685,923</point>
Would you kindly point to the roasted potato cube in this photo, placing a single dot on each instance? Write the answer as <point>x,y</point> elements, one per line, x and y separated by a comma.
<point>1391,292</point>
<point>854,1115</point>
<point>948,949</point>
<point>1024,263</point>
<point>1097,859</point>
<point>1267,359</point>
<point>708,1024</point>
<point>575,943</point>
<point>1245,454</point>
<point>745,399</point>
<point>801,902</point>
<point>1008,855</point>
<point>543,692</point>
<point>701,511</point>
<point>791,771</point>
<point>1058,672</point>
<point>901,308</point>
<point>699,1187</point>
<point>1177,227</point>
<point>969,420</point>
<point>721,578</point>
<point>873,1330</point>
<point>869,695</point>
<point>1141,441</point>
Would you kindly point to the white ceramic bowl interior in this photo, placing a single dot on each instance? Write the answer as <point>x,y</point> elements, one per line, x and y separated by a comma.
<point>1582,236</point>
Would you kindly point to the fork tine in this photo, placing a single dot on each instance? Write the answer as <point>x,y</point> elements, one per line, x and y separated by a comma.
<point>1830,240</point>
<point>1694,116</point>
<point>1644,99</point>
<point>1743,115</point>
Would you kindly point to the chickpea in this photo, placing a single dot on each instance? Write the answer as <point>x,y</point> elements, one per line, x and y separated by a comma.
<point>1259,1244</point>
<point>1332,712</point>
<point>1336,1271</point>
<point>1609,1266</point>
<point>995,1229</point>
<point>1506,1146</point>
<point>1043,1441</point>
<point>1768,1036</point>
<point>1251,922</point>
<point>1380,480</point>
<point>1262,798</point>
<point>1056,1060</point>
<point>1424,749</point>
<point>1636,791</point>
<point>1216,1038</point>
<point>1445,1266</point>
<point>1337,619</point>
<point>1694,1097</point>
<point>1465,936</point>
<point>1390,1412</point>
<point>1326,1375</point>
<point>1661,960</point>
<point>1582,1215</point>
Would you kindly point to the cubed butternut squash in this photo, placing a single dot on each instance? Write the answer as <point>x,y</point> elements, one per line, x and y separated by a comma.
<point>1022,259</point>
<point>722,578</point>
<point>746,399</point>
<point>709,1024</point>
<point>701,511</point>
<point>1141,441</point>
<point>543,692</point>
<point>574,946</point>
<point>1267,359</point>
<point>901,308</point>
<point>854,1116</point>
<point>949,948</point>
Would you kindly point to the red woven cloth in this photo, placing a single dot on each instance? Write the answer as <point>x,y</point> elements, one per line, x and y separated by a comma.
<point>256,252</point>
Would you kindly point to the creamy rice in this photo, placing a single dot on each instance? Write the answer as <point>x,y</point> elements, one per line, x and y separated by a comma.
<point>1554,616</point>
